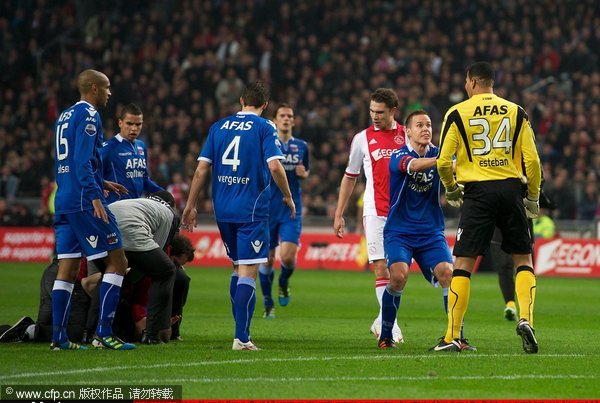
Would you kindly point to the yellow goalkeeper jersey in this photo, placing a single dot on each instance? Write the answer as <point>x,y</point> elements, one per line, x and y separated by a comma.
<point>492,139</point>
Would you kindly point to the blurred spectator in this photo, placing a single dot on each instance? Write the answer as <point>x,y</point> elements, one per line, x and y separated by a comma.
<point>543,226</point>
<point>324,57</point>
<point>9,183</point>
<point>179,189</point>
<point>589,202</point>
<point>229,89</point>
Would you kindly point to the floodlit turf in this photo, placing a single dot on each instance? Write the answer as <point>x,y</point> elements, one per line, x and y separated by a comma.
<point>320,346</point>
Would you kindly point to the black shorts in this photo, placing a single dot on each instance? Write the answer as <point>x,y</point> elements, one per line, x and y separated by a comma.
<point>488,205</point>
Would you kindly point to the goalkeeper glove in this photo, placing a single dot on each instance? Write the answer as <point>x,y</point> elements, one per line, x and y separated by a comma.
<point>532,207</point>
<point>455,196</point>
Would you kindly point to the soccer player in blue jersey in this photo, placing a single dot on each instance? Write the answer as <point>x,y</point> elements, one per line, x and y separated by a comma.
<point>415,223</point>
<point>83,225</point>
<point>282,227</point>
<point>124,157</point>
<point>243,151</point>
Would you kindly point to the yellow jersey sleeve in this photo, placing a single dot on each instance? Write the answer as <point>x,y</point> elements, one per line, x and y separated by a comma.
<point>449,144</point>
<point>531,160</point>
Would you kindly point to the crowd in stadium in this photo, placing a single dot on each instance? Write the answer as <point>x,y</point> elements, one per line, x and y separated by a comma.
<point>185,62</point>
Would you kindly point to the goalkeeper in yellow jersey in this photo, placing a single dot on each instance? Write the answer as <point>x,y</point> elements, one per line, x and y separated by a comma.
<point>490,138</point>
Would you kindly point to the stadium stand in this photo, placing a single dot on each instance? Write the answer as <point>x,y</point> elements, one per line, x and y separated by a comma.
<point>184,61</point>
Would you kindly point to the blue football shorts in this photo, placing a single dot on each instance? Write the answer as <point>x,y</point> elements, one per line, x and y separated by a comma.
<point>81,233</point>
<point>427,250</point>
<point>285,231</point>
<point>246,243</point>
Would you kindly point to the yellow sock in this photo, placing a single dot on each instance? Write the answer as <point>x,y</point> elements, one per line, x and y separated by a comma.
<point>511,304</point>
<point>458,301</point>
<point>525,290</point>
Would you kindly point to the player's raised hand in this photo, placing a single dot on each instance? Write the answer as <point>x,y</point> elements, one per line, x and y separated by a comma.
<point>290,203</point>
<point>115,187</point>
<point>339,226</point>
<point>99,211</point>
<point>188,218</point>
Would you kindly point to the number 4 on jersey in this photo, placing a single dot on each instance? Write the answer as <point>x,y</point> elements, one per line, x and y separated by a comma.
<point>234,147</point>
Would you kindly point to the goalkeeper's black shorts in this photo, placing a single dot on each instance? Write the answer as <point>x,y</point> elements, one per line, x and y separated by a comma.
<point>491,204</point>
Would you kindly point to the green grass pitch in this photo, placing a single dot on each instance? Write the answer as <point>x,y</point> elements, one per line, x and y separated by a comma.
<point>320,346</point>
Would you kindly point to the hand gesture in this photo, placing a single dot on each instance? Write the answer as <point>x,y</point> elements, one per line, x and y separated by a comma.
<point>188,218</point>
<point>99,211</point>
<point>301,171</point>
<point>115,187</point>
<point>290,203</point>
<point>339,226</point>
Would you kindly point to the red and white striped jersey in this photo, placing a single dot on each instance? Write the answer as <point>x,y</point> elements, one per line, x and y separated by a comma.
<point>372,148</point>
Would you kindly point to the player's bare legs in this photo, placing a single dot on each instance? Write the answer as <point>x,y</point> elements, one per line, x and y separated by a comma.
<point>116,262</point>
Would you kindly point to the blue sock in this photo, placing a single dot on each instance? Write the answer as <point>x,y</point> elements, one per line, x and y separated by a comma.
<point>285,275</point>
<point>232,289</point>
<point>266,276</point>
<point>445,296</point>
<point>110,290</point>
<point>390,303</point>
<point>245,300</point>
<point>61,307</point>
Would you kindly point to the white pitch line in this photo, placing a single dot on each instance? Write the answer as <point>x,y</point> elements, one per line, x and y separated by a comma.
<point>177,381</point>
<point>274,360</point>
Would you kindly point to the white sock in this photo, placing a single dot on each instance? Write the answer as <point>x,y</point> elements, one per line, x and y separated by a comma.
<point>380,284</point>
<point>30,332</point>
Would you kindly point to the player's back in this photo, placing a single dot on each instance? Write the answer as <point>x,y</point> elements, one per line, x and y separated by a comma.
<point>145,224</point>
<point>78,165</point>
<point>488,129</point>
<point>239,148</point>
<point>414,196</point>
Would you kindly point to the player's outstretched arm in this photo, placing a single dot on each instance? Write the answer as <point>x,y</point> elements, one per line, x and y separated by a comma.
<point>346,189</point>
<point>278,173</point>
<point>422,164</point>
<point>188,218</point>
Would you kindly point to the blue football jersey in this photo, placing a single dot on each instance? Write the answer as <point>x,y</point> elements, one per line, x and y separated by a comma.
<point>295,152</point>
<point>239,148</point>
<point>78,164</point>
<point>125,162</point>
<point>414,196</point>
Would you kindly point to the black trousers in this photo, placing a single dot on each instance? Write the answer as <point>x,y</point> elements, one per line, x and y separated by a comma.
<point>181,289</point>
<point>157,265</point>
<point>80,303</point>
